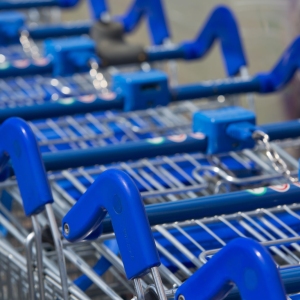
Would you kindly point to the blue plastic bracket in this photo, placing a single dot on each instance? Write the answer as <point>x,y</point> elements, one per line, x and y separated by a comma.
<point>114,192</point>
<point>221,25</point>
<point>142,90</point>
<point>243,262</point>
<point>227,128</point>
<point>19,143</point>
<point>11,23</point>
<point>70,55</point>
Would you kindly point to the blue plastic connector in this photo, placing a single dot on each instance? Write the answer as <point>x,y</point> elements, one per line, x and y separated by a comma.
<point>243,262</point>
<point>114,192</point>
<point>227,128</point>
<point>70,55</point>
<point>142,90</point>
<point>19,144</point>
<point>11,23</point>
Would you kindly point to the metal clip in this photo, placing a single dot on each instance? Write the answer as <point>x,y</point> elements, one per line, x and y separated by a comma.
<point>277,162</point>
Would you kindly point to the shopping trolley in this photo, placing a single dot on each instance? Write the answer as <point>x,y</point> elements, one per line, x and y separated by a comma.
<point>69,184</point>
<point>116,194</point>
<point>68,61</point>
<point>14,30</point>
<point>19,144</point>
<point>145,258</point>
<point>127,95</point>
<point>12,23</point>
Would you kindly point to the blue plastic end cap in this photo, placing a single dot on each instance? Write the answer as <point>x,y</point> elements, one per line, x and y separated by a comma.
<point>214,124</point>
<point>70,55</point>
<point>142,90</point>
<point>10,24</point>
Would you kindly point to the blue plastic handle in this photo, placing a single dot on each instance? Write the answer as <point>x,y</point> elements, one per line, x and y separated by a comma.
<point>243,262</point>
<point>221,25</point>
<point>267,82</point>
<point>19,143</point>
<point>153,10</point>
<point>116,193</point>
<point>283,71</point>
<point>98,8</point>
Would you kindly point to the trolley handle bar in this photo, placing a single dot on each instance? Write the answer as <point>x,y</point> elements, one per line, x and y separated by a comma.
<point>151,148</point>
<point>154,12</point>
<point>19,143</point>
<point>221,25</point>
<point>243,262</point>
<point>210,206</point>
<point>267,82</point>
<point>114,192</point>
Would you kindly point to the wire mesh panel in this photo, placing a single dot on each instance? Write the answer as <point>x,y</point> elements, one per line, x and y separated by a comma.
<point>112,127</point>
<point>14,278</point>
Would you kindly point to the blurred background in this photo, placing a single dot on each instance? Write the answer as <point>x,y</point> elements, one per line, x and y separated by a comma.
<point>267,28</point>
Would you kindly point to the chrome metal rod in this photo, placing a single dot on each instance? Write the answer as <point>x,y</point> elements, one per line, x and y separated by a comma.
<point>39,255</point>
<point>59,251</point>
<point>158,284</point>
<point>29,244</point>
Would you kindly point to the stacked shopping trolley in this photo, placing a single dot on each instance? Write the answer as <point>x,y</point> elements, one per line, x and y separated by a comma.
<point>137,188</point>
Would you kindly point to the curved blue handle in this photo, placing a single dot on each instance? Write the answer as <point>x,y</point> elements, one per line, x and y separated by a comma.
<point>243,262</point>
<point>221,25</point>
<point>157,22</point>
<point>19,143</point>
<point>283,71</point>
<point>97,8</point>
<point>116,193</point>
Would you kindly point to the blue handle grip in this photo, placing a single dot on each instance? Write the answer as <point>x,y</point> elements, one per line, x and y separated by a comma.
<point>18,142</point>
<point>221,25</point>
<point>283,71</point>
<point>115,192</point>
<point>267,82</point>
<point>98,8</point>
<point>243,262</point>
<point>154,11</point>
